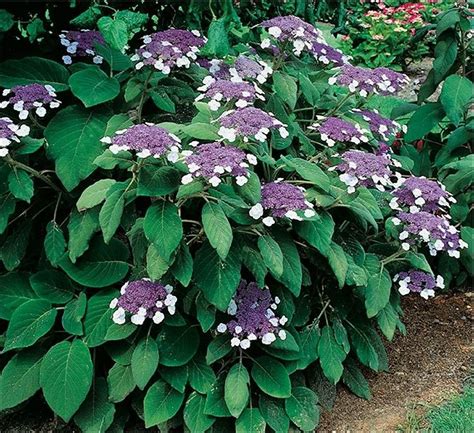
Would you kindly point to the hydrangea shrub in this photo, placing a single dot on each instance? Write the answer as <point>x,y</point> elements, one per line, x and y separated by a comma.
<point>205,242</point>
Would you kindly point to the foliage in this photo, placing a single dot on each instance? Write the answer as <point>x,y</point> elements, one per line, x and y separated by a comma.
<point>147,274</point>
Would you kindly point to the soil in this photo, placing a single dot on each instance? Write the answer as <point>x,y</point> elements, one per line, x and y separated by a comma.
<point>426,366</point>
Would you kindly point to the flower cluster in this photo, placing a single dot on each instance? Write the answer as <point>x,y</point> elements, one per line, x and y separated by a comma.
<point>147,140</point>
<point>245,68</point>
<point>30,97</point>
<point>81,43</point>
<point>167,49</point>
<point>365,80</point>
<point>141,299</point>
<point>333,130</point>
<point>249,122</point>
<point>282,199</point>
<point>418,282</point>
<point>255,319</point>
<point>326,54</point>
<point>213,161</point>
<point>378,124</point>
<point>420,194</point>
<point>433,230</point>
<point>9,132</point>
<point>217,91</point>
<point>364,169</point>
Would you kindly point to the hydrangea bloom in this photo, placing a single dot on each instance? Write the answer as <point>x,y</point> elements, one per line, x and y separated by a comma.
<point>247,68</point>
<point>421,194</point>
<point>299,33</point>
<point>216,67</point>
<point>249,122</point>
<point>255,318</point>
<point>213,161</point>
<point>9,132</point>
<point>433,230</point>
<point>81,43</point>
<point>326,54</point>
<point>333,129</point>
<point>218,91</point>
<point>365,169</point>
<point>364,80</point>
<point>143,298</point>
<point>418,282</point>
<point>147,140</point>
<point>281,199</point>
<point>378,124</point>
<point>169,48</point>
<point>30,97</point>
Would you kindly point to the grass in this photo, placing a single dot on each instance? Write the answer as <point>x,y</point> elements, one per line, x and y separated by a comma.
<point>456,415</point>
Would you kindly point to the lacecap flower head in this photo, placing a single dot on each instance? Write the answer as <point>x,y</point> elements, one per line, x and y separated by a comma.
<point>143,299</point>
<point>168,49</point>
<point>214,161</point>
<point>421,194</point>
<point>9,132</point>
<point>335,130</point>
<point>255,318</point>
<point>282,200</point>
<point>246,68</point>
<point>378,124</point>
<point>224,91</point>
<point>29,98</point>
<point>326,54</point>
<point>81,43</point>
<point>249,122</point>
<point>146,140</point>
<point>433,230</point>
<point>415,281</point>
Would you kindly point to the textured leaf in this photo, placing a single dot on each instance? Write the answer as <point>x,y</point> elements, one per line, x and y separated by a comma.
<point>81,227</point>
<point>194,417</point>
<point>455,95</point>
<point>15,290</point>
<point>236,389</point>
<point>331,355</point>
<point>120,382</point>
<point>53,286</point>
<point>251,420</point>
<point>271,254</point>
<point>73,313</point>
<point>144,361</point>
<point>21,185</point>
<point>271,377</point>
<point>161,403</point>
<point>177,345</point>
<point>54,243</point>
<point>273,412</point>
<point>302,408</point>
<point>94,194</point>
<point>217,228</point>
<point>93,87</point>
<point>98,318</point>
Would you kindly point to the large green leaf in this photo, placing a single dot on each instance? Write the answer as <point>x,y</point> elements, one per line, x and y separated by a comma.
<point>292,275</point>
<point>217,228</point>
<point>66,376</point>
<point>93,86</point>
<point>215,403</point>
<point>218,348</point>
<point>273,412</point>
<point>217,279</point>
<point>355,380</point>
<point>161,403</point>
<point>73,313</point>
<point>338,261</point>
<point>331,355</point>
<point>251,420</point>
<point>98,318</point>
<point>157,181</point>
<point>302,408</point>
<point>194,417</point>
<point>94,194</point>
<point>120,382</point>
<point>144,361</point>
<point>177,345</point>
<point>271,377</point>
<point>29,322</point>
<point>74,137</point>
<point>309,171</point>
<point>81,228</point>
<point>15,290</point>
<point>111,212</point>
<point>101,266</point>
<point>115,32</point>
<point>286,88</point>
<point>271,254</point>
<point>21,185</point>
<point>54,243</point>
<point>377,292</point>
<point>53,286</point>
<point>31,70</point>
<point>317,233</point>
<point>236,389</point>
<point>424,120</point>
<point>201,376</point>
<point>455,95</point>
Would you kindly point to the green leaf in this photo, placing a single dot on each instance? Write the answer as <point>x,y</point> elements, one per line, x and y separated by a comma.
<point>29,322</point>
<point>98,318</point>
<point>364,341</point>
<point>6,20</point>
<point>111,212</point>
<point>157,181</point>
<point>388,321</point>
<point>217,228</point>
<point>14,247</point>
<point>73,136</point>
<point>194,417</point>
<point>96,414</point>
<point>33,70</point>
<point>102,266</point>
<point>21,185</point>
<point>161,403</point>
<point>236,389</point>
<point>7,207</point>
<point>20,377</point>
<point>292,275</point>
<point>302,408</point>
<point>53,286</point>
<point>15,290</point>
<point>455,95</point>
<point>205,312</point>
<point>215,403</point>
<point>286,88</point>
<point>54,243</point>
<point>217,279</point>
<point>424,120</point>
<point>156,265</point>
<point>73,313</point>
<point>201,376</point>
<point>309,171</point>
<point>66,377</point>
<point>163,101</point>
<point>317,233</point>
<point>115,32</point>
<point>117,60</point>
<point>355,380</point>
<point>217,44</point>
<point>338,262</point>
<point>177,345</point>
<point>182,268</point>
<point>144,361</point>
<point>309,339</point>
<point>177,377</point>
<point>93,86</point>
<point>273,412</point>
<point>201,131</point>
<point>271,377</point>
<point>120,382</point>
<point>163,227</point>
<point>81,227</point>
<point>119,332</point>
<point>94,194</point>
<point>251,420</point>
<point>271,254</point>
<point>218,348</point>
<point>377,292</point>
<point>331,355</point>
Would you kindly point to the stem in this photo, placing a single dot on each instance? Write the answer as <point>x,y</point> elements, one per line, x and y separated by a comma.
<point>341,103</point>
<point>33,172</point>
<point>393,257</point>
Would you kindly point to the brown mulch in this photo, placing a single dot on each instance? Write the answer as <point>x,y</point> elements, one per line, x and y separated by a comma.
<point>426,366</point>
